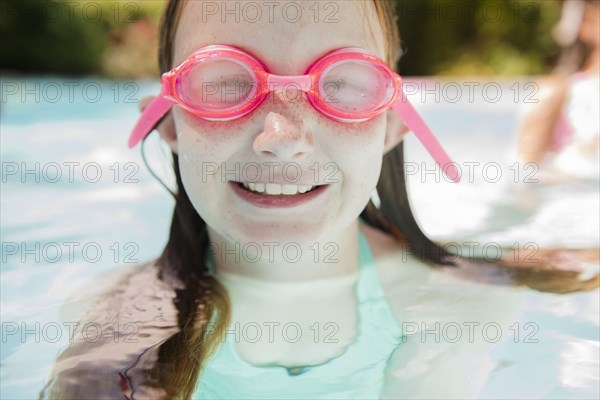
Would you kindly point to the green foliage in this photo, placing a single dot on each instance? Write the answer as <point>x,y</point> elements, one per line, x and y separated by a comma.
<point>42,38</point>
<point>483,37</point>
<point>118,38</point>
<point>65,37</point>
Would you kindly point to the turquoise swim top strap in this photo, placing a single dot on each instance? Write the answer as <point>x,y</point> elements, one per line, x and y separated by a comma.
<point>365,254</point>
<point>208,260</point>
<point>369,285</point>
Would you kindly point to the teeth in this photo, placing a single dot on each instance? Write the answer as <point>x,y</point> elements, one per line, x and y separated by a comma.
<point>289,189</point>
<point>277,189</point>
<point>273,188</point>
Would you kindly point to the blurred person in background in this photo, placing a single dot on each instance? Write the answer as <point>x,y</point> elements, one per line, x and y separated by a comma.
<point>561,130</point>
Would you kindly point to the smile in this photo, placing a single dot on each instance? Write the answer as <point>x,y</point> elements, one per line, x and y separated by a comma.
<point>274,195</point>
<point>274,189</point>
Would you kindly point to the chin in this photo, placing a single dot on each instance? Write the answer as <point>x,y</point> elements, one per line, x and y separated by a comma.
<point>281,233</point>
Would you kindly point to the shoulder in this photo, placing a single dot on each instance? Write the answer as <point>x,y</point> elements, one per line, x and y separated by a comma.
<point>552,88</point>
<point>381,243</point>
<point>126,313</point>
<point>136,288</point>
<point>126,306</point>
<point>418,292</point>
<point>392,255</point>
<point>111,289</point>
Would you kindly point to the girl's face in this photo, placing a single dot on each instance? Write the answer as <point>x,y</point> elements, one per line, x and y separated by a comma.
<point>284,139</point>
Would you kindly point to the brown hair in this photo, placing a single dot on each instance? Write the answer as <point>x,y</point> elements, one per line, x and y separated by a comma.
<point>181,358</point>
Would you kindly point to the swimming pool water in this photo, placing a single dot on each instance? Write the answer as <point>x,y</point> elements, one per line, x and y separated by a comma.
<point>76,204</point>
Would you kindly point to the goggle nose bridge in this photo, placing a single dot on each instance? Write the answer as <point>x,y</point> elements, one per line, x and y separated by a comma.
<point>302,82</point>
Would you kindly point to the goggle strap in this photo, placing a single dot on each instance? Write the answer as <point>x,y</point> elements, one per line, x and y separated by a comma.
<point>151,116</point>
<point>413,120</point>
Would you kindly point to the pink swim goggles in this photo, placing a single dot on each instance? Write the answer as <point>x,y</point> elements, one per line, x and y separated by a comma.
<point>221,83</point>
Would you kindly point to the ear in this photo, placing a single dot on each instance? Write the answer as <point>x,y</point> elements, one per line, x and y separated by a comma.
<point>395,131</point>
<point>166,127</point>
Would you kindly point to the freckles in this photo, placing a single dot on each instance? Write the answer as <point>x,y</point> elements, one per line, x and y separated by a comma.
<point>209,135</point>
<point>213,130</point>
<point>365,134</point>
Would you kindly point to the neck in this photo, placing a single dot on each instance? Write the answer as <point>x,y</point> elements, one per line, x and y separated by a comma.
<point>329,257</point>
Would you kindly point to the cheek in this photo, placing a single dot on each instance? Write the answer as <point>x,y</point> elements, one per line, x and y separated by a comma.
<point>202,147</point>
<point>203,143</point>
<point>360,148</point>
<point>357,138</point>
<point>359,153</point>
<point>195,130</point>
<point>200,174</point>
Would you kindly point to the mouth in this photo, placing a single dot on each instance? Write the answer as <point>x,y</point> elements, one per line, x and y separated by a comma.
<point>275,189</point>
<point>273,195</point>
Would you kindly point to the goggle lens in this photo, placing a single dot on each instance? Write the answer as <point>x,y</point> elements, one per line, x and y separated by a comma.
<point>354,86</point>
<point>216,85</point>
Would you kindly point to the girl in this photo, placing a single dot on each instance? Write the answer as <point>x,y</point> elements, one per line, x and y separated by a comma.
<point>268,287</point>
<point>562,131</point>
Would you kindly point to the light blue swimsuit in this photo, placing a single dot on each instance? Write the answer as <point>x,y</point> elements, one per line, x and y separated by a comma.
<point>356,374</point>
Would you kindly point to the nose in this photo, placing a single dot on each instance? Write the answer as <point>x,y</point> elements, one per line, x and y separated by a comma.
<point>286,136</point>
